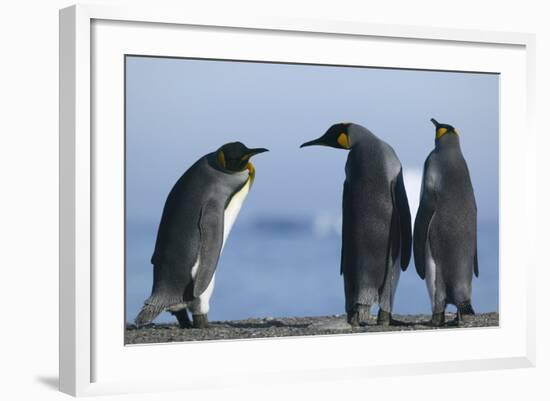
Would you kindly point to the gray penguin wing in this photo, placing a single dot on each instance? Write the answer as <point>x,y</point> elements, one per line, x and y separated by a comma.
<point>211,240</point>
<point>426,210</point>
<point>404,214</point>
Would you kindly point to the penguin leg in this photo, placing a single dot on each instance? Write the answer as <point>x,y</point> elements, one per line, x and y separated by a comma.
<point>200,321</point>
<point>350,302</point>
<point>359,315</point>
<point>201,305</point>
<point>183,318</point>
<point>464,311</point>
<point>387,294</point>
<point>199,310</point>
<point>384,318</point>
<point>438,294</point>
<point>438,319</point>
<point>363,312</point>
<point>386,305</point>
<point>438,314</point>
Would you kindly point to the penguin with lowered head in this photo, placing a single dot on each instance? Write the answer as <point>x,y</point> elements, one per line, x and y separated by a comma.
<point>376,222</point>
<point>197,218</point>
<point>445,233</point>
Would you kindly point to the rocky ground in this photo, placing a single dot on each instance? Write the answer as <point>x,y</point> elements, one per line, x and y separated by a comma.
<point>290,326</point>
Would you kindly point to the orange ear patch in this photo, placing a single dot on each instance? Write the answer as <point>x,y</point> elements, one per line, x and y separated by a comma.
<point>440,132</point>
<point>221,158</point>
<point>343,140</point>
<point>251,172</point>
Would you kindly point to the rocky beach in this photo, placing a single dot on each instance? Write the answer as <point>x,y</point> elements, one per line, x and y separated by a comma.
<point>292,326</point>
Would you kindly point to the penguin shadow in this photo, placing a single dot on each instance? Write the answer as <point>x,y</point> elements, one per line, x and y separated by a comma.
<point>401,323</point>
<point>265,325</point>
<point>452,323</point>
<point>431,325</point>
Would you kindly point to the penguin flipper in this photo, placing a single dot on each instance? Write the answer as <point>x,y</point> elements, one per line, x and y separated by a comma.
<point>211,240</point>
<point>345,224</point>
<point>404,214</point>
<point>476,268</point>
<point>424,216</point>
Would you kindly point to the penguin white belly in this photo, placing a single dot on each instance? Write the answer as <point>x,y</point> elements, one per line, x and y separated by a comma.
<point>233,208</point>
<point>200,305</point>
<point>430,272</point>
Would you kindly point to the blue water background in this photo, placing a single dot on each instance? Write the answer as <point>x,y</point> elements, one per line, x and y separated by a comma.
<point>285,267</point>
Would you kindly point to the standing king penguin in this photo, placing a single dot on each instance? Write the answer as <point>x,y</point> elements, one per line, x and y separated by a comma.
<point>445,243</point>
<point>376,223</point>
<point>197,218</point>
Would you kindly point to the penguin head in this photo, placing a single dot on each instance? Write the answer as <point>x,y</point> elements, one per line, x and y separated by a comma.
<point>442,129</point>
<point>234,156</point>
<point>336,136</point>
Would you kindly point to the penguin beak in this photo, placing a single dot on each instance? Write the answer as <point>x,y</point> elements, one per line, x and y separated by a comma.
<point>255,151</point>
<point>434,121</point>
<point>318,141</point>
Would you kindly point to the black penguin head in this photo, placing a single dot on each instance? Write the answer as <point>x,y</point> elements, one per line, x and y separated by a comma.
<point>336,136</point>
<point>442,129</point>
<point>234,156</point>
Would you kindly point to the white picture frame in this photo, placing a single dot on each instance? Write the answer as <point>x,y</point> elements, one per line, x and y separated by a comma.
<point>93,359</point>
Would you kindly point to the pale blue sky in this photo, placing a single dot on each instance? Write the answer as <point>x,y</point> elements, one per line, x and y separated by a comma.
<point>179,109</point>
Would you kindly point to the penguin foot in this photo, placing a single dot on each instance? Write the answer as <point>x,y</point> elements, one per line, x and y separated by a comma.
<point>200,321</point>
<point>353,318</point>
<point>384,318</point>
<point>183,319</point>
<point>464,313</point>
<point>359,316</point>
<point>465,308</point>
<point>438,319</point>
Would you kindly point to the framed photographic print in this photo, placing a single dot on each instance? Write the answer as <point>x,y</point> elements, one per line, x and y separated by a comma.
<point>254,192</point>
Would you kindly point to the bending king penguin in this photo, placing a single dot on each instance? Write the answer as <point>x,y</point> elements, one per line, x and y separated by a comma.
<point>376,224</point>
<point>445,242</point>
<point>197,217</point>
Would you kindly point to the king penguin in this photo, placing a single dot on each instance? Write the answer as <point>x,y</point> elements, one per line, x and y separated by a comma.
<point>197,218</point>
<point>376,222</point>
<point>445,243</point>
